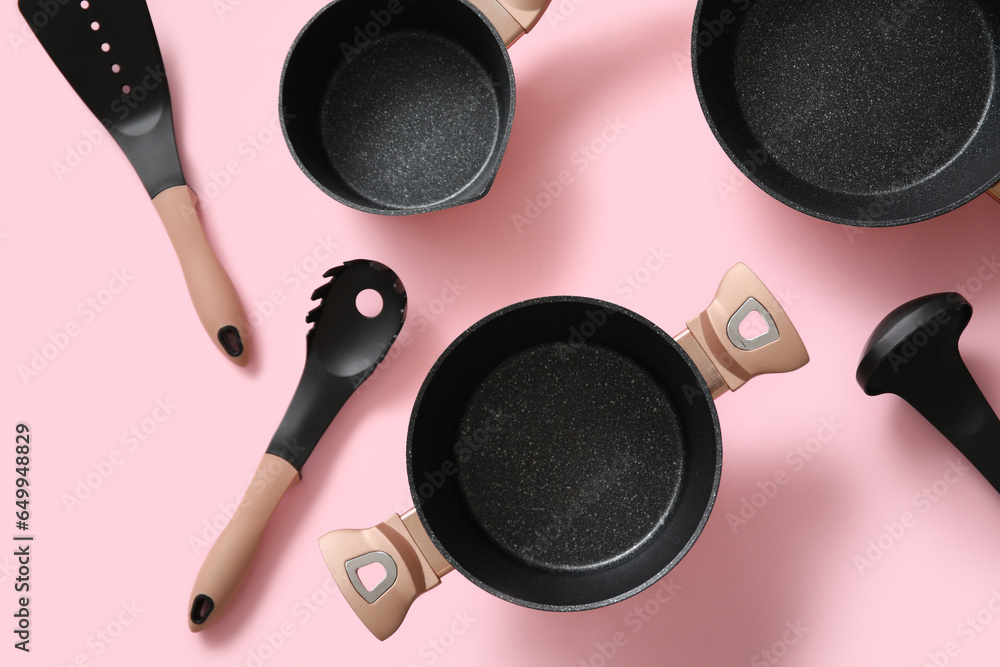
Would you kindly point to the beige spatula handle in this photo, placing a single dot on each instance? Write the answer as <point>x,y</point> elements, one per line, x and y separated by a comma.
<point>212,292</point>
<point>228,561</point>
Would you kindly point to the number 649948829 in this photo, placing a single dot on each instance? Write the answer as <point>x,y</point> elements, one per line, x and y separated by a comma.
<point>22,449</point>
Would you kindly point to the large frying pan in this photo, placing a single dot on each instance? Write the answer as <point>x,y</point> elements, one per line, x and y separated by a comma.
<point>564,453</point>
<point>863,112</point>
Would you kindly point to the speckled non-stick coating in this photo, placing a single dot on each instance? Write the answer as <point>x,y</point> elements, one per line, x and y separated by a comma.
<point>870,113</point>
<point>564,453</point>
<point>411,121</point>
<point>858,99</point>
<point>398,111</point>
<point>589,448</point>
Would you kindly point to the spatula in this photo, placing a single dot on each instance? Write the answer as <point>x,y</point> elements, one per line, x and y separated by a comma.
<point>108,52</point>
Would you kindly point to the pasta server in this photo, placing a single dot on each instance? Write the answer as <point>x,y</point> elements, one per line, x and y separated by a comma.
<point>342,350</point>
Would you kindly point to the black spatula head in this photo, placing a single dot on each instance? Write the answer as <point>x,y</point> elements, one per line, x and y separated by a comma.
<point>108,52</point>
<point>343,348</point>
<point>344,341</point>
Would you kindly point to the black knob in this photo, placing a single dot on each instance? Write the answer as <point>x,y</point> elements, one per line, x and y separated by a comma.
<point>913,353</point>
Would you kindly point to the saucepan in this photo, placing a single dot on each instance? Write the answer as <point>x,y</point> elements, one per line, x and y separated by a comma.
<point>864,112</point>
<point>564,453</point>
<point>400,107</point>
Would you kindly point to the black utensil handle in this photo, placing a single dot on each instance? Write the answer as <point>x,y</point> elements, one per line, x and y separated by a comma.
<point>959,410</point>
<point>913,353</point>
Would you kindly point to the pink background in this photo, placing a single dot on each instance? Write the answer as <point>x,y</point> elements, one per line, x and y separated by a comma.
<point>657,186</point>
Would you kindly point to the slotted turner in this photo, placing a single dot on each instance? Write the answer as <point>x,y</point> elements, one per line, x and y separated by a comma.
<point>108,52</point>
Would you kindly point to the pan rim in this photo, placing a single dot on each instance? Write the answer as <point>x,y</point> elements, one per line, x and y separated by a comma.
<point>459,341</point>
<point>499,151</point>
<point>976,192</point>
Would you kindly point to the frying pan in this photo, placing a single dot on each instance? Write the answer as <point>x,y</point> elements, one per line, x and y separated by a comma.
<point>564,453</point>
<point>401,107</point>
<point>869,113</point>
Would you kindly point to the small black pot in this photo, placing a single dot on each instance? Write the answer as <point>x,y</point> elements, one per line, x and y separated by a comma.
<point>398,107</point>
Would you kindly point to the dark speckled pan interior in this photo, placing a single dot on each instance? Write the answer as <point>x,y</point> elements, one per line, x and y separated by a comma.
<point>864,112</point>
<point>398,113</point>
<point>564,453</point>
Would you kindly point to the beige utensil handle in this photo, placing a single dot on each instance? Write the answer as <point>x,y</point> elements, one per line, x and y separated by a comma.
<point>512,18</point>
<point>726,359</point>
<point>412,565</point>
<point>212,292</point>
<point>228,561</point>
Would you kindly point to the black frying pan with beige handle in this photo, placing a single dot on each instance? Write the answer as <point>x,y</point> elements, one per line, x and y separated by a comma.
<point>564,453</point>
<point>864,112</point>
<point>404,107</point>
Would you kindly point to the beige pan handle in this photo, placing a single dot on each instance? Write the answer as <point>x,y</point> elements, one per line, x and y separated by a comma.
<point>725,358</point>
<point>412,565</point>
<point>512,18</point>
<point>228,561</point>
<point>995,191</point>
<point>212,292</point>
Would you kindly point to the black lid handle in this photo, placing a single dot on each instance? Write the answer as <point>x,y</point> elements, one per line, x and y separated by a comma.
<point>913,353</point>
